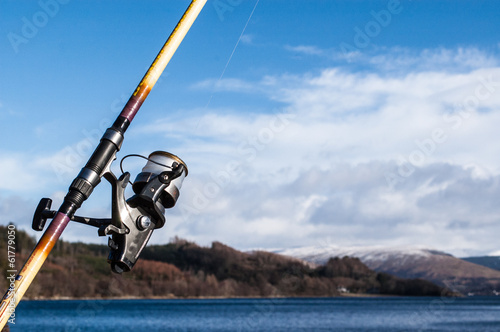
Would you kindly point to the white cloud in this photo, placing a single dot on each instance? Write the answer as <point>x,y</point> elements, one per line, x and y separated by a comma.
<point>25,177</point>
<point>325,173</point>
<point>247,39</point>
<point>494,253</point>
<point>400,59</point>
<point>454,60</point>
<point>345,205</point>
<point>227,84</point>
<point>356,117</point>
<point>305,49</point>
<point>317,168</point>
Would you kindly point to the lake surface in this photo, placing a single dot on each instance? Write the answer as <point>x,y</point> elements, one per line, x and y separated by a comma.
<point>231,315</point>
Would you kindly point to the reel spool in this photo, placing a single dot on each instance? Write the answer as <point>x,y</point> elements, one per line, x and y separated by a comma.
<point>158,162</point>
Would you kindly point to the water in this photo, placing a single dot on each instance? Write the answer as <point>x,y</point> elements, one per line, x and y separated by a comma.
<point>231,315</point>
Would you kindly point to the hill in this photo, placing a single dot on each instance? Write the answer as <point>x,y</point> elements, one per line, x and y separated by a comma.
<point>493,262</point>
<point>435,266</point>
<point>184,269</point>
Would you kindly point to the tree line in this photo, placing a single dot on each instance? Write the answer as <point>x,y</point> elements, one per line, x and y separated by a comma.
<point>185,269</point>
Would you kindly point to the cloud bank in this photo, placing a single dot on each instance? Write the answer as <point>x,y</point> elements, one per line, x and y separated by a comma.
<point>399,148</point>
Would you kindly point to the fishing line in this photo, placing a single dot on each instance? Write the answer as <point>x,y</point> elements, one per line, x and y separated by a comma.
<point>232,53</point>
<point>238,42</point>
<point>140,156</point>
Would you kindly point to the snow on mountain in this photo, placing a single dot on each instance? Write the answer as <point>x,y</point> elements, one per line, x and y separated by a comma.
<point>370,255</point>
<point>411,262</point>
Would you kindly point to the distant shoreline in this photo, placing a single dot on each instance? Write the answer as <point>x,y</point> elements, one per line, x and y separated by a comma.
<point>345,295</point>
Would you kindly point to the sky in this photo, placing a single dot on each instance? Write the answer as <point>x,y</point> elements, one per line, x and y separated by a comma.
<point>303,123</point>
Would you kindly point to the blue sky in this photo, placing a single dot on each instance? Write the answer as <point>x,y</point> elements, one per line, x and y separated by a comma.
<point>302,122</point>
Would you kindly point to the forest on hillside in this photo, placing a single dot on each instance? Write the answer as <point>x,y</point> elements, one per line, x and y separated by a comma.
<point>185,269</point>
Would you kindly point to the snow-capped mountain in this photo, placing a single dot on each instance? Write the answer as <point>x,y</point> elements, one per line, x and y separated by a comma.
<point>372,255</point>
<point>411,262</point>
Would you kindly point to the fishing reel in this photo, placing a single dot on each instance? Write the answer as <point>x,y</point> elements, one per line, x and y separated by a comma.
<point>132,220</point>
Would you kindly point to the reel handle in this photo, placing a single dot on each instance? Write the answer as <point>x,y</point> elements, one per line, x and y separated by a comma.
<point>42,213</point>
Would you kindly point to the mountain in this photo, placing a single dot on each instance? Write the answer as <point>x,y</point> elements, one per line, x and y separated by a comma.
<point>185,269</point>
<point>493,262</point>
<point>413,262</point>
<point>270,274</point>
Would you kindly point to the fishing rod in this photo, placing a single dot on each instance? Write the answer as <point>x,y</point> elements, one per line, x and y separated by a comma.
<point>132,220</point>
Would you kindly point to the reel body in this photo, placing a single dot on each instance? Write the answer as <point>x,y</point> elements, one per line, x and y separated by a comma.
<point>132,220</point>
